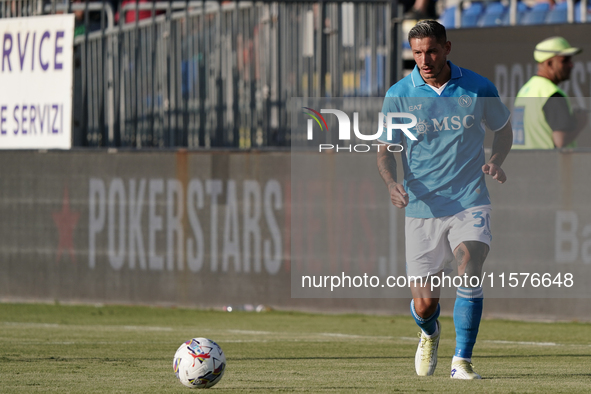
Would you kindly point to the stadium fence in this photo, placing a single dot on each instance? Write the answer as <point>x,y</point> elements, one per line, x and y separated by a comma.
<point>204,74</point>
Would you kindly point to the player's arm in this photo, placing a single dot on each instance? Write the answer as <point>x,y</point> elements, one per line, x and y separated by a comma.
<point>387,168</point>
<point>500,149</point>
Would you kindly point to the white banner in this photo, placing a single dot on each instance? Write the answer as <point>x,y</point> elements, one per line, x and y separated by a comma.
<point>36,63</point>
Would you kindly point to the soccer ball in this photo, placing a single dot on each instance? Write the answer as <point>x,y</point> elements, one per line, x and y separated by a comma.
<point>199,363</point>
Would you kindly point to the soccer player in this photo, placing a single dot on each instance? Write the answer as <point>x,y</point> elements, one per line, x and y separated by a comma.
<point>444,192</point>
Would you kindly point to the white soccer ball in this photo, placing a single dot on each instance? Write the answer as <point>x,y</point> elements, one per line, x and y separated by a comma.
<point>199,363</point>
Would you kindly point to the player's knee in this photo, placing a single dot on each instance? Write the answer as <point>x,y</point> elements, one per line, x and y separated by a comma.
<point>471,256</point>
<point>425,307</point>
<point>476,251</point>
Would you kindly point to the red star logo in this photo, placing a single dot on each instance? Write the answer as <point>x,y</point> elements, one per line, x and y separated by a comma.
<point>65,222</point>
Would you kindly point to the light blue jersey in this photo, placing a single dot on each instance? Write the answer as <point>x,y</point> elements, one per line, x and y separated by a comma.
<point>443,167</point>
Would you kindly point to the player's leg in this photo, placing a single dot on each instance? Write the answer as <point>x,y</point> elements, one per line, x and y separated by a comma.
<point>470,238</point>
<point>425,308</point>
<point>470,256</point>
<point>427,254</point>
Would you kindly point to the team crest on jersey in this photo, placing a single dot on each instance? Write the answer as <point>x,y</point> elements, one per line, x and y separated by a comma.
<point>422,126</point>
<point>465,101</point>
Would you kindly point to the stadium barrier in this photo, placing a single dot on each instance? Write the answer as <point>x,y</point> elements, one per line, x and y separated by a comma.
<point>201,74</point>
<point>212,75</point>
<point>206,74</point>
<point>225,80</point>
<point>218,228</point>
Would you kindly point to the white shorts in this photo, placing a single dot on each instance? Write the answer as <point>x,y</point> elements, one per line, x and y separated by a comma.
<point>430,242</point>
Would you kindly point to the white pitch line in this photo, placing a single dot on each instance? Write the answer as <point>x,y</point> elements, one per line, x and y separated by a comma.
<point>90,326</point>
<point>93,343</point>
<point>245,341</point>
<point>34,325</point>
<point>338,335</point>
<point>523,343</point>
<point>249,332</point>
<point>147,328</point>
<point>291,336</point>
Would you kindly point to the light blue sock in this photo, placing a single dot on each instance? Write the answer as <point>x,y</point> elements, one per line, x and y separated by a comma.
<point>467,314</point>
<point>429,324</point>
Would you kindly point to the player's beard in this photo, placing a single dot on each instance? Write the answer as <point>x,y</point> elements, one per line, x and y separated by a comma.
<point>435,71</point>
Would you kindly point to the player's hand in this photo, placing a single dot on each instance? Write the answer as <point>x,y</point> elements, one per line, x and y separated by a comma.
<point>495,171</point>
<point>398,195</point>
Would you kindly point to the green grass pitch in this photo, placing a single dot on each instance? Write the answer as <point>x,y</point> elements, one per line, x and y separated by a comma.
<point>121,349</point>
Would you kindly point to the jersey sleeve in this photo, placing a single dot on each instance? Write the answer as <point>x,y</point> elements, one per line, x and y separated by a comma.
<point>496,114</point>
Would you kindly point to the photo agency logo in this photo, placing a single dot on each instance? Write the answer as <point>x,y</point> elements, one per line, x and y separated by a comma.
<point>385,123</point>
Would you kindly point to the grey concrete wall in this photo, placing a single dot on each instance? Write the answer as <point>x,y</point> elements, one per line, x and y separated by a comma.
<point>218,228</point>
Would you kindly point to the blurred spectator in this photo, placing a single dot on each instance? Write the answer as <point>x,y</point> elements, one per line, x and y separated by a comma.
<point>130,16</point>
<point>83,24</point>
<point>79,25</point>
<point>419,9</point>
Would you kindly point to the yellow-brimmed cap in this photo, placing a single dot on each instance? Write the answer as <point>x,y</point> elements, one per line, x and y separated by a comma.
<point>554,46</point>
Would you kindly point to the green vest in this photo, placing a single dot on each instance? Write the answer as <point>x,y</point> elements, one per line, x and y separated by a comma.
<point>530,129</point>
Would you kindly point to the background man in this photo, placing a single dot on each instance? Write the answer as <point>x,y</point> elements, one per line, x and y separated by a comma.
<point>444,192</point>
<point>543,117</point>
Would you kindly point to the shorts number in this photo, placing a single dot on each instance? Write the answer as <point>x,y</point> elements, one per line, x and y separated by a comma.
<point>483,220</point>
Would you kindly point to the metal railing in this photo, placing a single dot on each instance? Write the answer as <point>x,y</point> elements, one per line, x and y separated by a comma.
<point>20,8</point>
<point>201,74</point>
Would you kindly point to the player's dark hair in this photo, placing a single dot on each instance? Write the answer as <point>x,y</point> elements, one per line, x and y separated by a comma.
<point>428,28</point>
